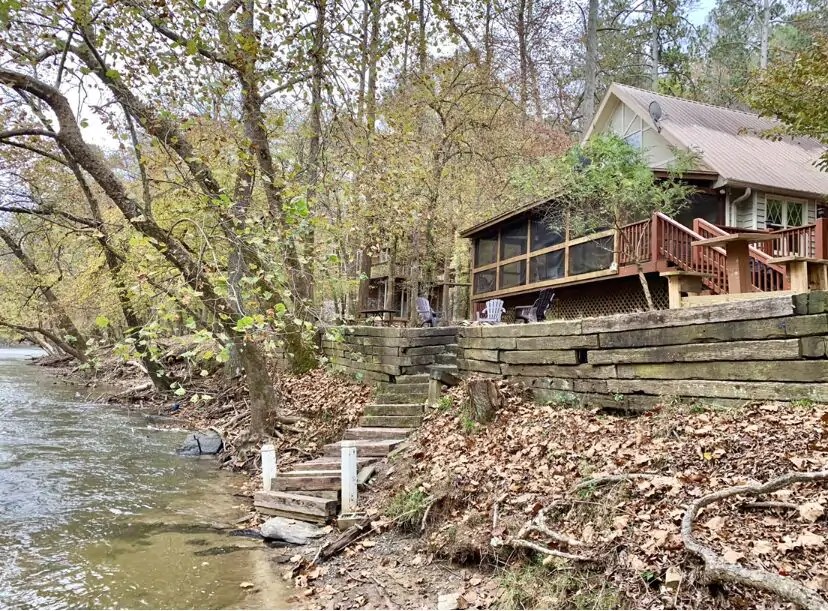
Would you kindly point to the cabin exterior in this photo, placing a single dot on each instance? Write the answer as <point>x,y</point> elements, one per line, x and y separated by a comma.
<point>744,184</point>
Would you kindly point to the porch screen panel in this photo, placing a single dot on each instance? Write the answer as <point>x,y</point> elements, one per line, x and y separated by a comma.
<point>485,250</point>
<point>513,274</point>
<point>590,256</point>
<point>513,240</point>
<point>547,266</point>
<point>484,282</point>
<point>544,235</point>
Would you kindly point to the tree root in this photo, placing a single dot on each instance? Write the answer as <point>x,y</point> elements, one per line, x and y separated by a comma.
<point>538,526</point>
<point>716,569</point>
<point>604,480</point>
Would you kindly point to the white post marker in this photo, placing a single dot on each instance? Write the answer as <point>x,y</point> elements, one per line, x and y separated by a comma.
<point>349,477</point>
<point>268,466</point>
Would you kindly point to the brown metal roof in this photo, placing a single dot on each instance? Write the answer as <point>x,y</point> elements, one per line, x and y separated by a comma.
<point>503,216</point>
<point>730,142</point>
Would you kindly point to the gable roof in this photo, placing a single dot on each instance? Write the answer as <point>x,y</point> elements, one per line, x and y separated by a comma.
<point>728,141</point>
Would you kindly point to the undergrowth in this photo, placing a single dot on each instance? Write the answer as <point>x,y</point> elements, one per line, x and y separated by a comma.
<point>407,508</point>
<point>556,585</point>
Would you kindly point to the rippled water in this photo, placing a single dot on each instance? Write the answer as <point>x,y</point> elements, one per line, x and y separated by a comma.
<point>96,510</point>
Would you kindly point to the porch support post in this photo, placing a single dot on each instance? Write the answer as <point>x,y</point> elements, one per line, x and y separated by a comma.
<point>821,239</point>
<point>737,265</point>
<point>655,239</point>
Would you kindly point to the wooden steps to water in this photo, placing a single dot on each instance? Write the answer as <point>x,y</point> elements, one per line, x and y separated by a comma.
<point>310,490</point>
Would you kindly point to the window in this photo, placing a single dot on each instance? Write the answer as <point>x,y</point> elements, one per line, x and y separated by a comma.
<point>513,274</point>
<point>784,213</point>
<point>635,140</point>
<point>484,282</point>
<point>485,250</point>
<point>513,240</point>
<point>547,266</point>
<point>543,235</point>
<point>590,256</point>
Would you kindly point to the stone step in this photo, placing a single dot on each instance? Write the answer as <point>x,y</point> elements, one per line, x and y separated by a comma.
<point>390,421</point>
<point>415,378</point>
<point>453,348</point>
<point>309,480</point>
<point>328,463</point>
<point>394,409</point>
<point>290,504</point>
<point>401,397</point>
<point>376,433</point>
<point>367,447</point>
<point>449,368</point>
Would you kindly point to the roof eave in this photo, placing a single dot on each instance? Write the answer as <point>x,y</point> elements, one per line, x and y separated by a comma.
<point>741,184</point>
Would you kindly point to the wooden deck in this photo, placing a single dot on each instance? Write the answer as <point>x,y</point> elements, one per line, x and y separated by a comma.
<point>656,244</point>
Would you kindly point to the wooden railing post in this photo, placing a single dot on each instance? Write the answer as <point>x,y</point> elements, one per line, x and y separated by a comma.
<point>821,239</point>
<point>656,237</point>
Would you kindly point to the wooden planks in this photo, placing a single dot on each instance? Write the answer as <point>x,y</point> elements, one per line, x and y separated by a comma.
<point>771,350</point>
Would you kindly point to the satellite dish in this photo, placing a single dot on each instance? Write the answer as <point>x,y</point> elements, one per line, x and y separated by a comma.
<point>656,113</point>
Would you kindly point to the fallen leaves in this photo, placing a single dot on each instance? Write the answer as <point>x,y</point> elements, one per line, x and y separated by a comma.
<point>811,512</point>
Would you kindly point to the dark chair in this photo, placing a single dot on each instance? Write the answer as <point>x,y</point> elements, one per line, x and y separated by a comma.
<point>537,311</point>
<point>428,317</point>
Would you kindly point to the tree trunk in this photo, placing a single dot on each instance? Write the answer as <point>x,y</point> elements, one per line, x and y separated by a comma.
<point>422,43</point>
<point>485,399</point>
<point>654,46</point>
<point>263,395</point>
<point>523,54</point>
<point>590,66</point>
<point>488,42</point>
<point>373,60</point>
<point>645,286</point>
<point>64,322</point>
<point>764,32</point>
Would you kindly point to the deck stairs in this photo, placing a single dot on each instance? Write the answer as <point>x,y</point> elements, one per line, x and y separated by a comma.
<point>310,490</point>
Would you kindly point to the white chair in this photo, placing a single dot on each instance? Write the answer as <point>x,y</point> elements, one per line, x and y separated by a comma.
<point>494,310</point>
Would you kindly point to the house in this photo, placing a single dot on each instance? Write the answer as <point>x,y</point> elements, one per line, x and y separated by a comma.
<point>744,183</point>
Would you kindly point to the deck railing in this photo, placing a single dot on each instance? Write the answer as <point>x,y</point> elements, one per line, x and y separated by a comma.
<point>764,276</point>
<point>794,241</point>
<point>634,242</point>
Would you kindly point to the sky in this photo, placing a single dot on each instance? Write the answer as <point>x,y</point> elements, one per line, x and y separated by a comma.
<point>699,14</point>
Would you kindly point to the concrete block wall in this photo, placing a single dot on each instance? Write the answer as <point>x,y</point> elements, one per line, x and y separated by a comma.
<point>772,348</point>
<point>381,354</point>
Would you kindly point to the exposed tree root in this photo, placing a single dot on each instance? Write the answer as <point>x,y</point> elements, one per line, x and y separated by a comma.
<point>605,480</point>
<point>538,526</point>
<point>716,569</point>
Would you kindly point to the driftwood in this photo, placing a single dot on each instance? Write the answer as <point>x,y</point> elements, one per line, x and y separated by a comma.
<point>485,398</point>
<point>718,570</point>
<point>356,532</point>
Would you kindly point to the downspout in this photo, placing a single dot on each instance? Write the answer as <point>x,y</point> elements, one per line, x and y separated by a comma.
<point>748,192</point>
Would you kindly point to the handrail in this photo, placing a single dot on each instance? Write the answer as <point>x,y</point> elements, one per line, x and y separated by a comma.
<point>765,276</point>
<point>675,243</point>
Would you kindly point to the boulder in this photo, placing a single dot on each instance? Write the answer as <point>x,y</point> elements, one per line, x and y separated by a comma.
<point>201,443</point>
<point>291,531</point>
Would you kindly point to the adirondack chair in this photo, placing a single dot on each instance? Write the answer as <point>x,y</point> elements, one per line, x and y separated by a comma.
<point>494,310</point>
<point>428,317</point>
<point>537,311</point>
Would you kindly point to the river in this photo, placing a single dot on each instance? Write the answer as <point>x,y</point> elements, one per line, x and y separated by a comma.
<point>96,510</point>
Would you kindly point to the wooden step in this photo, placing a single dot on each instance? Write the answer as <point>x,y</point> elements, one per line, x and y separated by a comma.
<point>413,388</point>
<point>401,397</point>
<point>309,480</point>
<point>291,504</point>
<point>328,463</point>
<point>376,433</point>
<point>416,378</point>
<point>394,409</point>
<point>391,421</point>
<point>369,447</point>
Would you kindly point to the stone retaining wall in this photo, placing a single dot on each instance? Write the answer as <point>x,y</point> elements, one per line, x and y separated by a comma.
<point>381,354</point>
<point>765,349</point>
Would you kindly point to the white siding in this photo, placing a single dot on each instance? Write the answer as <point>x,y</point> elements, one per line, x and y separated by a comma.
<point>760,210</point>
<point>625,122</point>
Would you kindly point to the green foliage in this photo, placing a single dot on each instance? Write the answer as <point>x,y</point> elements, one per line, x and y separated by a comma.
<point>794,92</point>
<point>407,508</point>
<point>555,585</point>
<point>445,403</point>
<point>468,425</point>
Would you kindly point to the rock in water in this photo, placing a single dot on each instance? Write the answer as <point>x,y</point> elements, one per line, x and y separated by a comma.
<point>201,443</point>
<point>292,531</point>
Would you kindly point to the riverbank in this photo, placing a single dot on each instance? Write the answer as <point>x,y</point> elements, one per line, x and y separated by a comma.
<point>549,506</point>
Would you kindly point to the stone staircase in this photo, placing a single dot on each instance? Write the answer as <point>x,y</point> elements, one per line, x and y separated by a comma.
<point>310,490</point>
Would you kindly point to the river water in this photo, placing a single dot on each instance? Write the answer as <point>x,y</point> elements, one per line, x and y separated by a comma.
<point>96,510</point>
